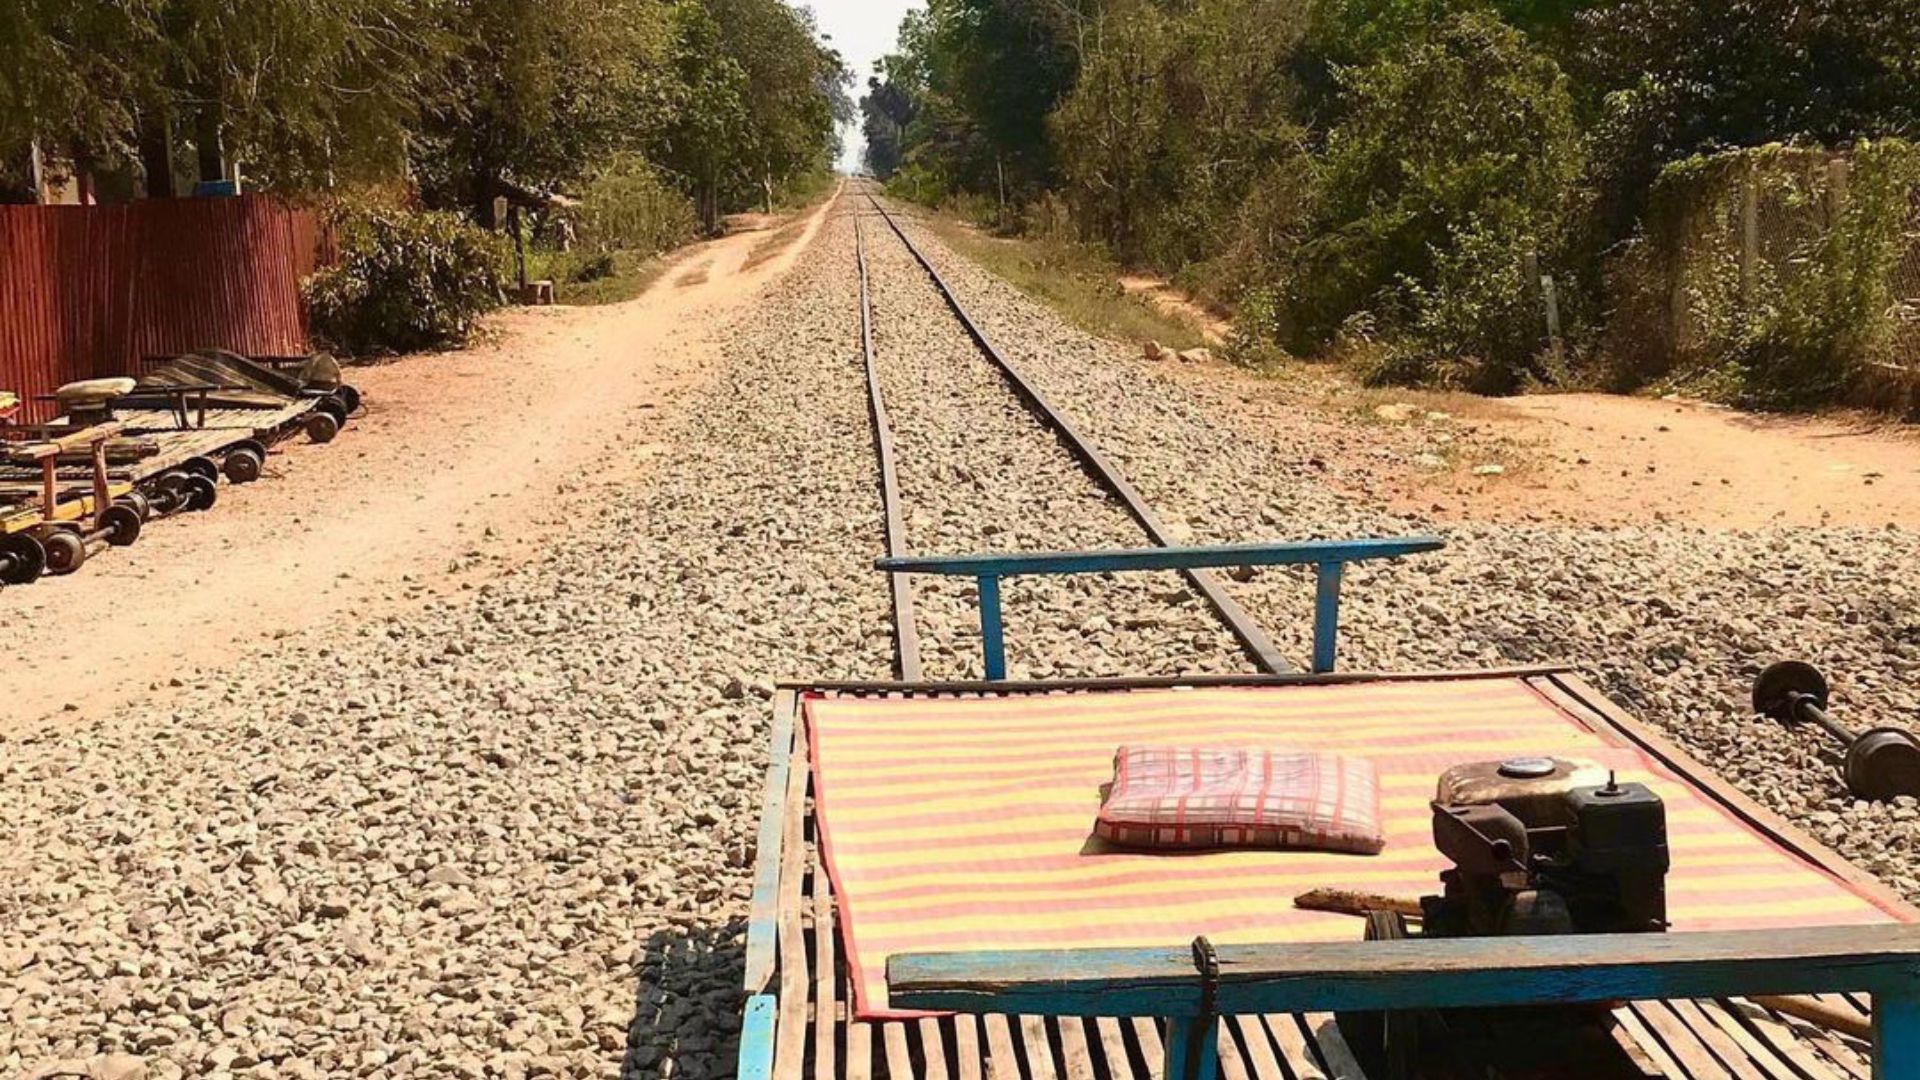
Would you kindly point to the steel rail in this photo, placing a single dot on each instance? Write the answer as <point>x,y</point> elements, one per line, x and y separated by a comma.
<point>1251,637</point>
<point>906,636</point>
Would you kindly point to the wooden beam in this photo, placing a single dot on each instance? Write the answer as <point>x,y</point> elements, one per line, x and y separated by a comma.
<point>1462,972</point>
<point>761,931</point>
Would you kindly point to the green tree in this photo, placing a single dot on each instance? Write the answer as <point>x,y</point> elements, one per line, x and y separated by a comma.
<point>1467,135</point>
<point>1669,78</point>
<point>537,94</point>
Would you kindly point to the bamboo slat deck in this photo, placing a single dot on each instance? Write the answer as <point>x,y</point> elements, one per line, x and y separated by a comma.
<point>793,957</point>
<point>177,445</point>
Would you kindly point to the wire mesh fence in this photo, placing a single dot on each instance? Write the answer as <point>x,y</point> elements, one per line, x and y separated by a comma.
<point>1799,257</point>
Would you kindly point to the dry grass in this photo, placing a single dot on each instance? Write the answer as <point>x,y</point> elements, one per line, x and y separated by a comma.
<point>1075,280</point>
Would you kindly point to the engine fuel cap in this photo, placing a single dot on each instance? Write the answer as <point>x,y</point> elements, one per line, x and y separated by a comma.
<point>1527,768</point>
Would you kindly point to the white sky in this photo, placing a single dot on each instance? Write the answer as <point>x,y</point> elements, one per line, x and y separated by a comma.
<point>863,31</point>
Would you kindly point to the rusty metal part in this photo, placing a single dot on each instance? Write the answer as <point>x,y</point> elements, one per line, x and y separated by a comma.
<point>22,559</point>
<point>1251,637</point>
<point>201,466</point>
<point>1543,779</point>
<point>66,551</point>
<point>906,636</point>
<point>119,525</point>
<point>321,427</point>
<point>243,464</point>
<point>1880,764</point>
<point>200,493</point>
<point>1353,902</point>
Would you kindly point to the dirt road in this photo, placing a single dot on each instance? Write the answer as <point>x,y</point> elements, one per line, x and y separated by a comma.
<point>462,462</point>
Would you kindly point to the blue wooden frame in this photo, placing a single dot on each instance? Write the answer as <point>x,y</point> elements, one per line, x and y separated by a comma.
<point>1432,973</point>
<point>1327,557</point>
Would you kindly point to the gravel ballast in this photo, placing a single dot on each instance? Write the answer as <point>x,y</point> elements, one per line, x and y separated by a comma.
<point>511,835</point>
<point>504,837</point>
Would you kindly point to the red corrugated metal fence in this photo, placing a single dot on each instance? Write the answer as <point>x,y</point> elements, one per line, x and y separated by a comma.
<point>86,291</point>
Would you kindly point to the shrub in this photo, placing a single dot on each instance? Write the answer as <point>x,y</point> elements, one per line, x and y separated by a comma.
<point>628,207</point>
<point>1833,321</point>
<point>591,267</point>
<point>1800,311</point>
<point>1455,156</point>
<point>405,280</point>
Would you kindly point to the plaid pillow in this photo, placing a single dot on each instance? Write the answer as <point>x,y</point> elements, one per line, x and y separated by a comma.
<point>1214,797</point>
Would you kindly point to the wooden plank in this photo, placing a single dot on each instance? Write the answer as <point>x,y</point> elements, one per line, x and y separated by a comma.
<point>1258,1056</point>
<point>1010,687</point>
<point>756,1039</point>
<point>761,931</point>
<point>1696,1062</point>
<point>1765,821</point>
<point>1771,1064</point>
<point>1147,1034</point>
<point>1075,1055</point>
<point>893,1035</point>
<point>1634,1039</point>
<point>1339,1057</point>
<point>1724,1049</point>
<point>826,1010</point>
<point>966,1047</point>
<point>1775,1032</point>
<point>1232,1065</point>
<point>1003,1062</point>
<point>1295,1049</point>
<point>1113,1046</point>
<point>790,1041</point>
<point>1421,972</point>
<point>933,1048</point>
<point>1039,1049</point>
<point>859,1050</point>
<point>1121,560</point>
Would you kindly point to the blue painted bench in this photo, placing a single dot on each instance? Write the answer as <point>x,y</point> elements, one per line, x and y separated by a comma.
<point>1327,557</point>
<point>1428,973</point>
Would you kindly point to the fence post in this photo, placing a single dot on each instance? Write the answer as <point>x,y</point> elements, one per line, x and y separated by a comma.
<point>1749,230</point>
<point>1838,171</point>
<point>1549,301</point>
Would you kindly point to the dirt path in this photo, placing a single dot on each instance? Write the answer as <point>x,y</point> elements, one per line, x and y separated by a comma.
<point>461,463</point>
<point>1171,301</point>
<point>1601,459</point>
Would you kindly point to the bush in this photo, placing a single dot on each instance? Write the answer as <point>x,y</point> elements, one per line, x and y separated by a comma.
<point>1833,321</point>
<point>628,207</point>
<point>406,280</point>
<point>592,267</point>
<point>1455,158</point>
<point>1805,317</point>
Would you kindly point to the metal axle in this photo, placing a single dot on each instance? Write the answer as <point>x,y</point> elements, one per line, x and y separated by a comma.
<point>1880,763</point>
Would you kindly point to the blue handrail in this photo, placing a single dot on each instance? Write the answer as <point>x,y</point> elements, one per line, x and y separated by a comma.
<point>1328,557</point>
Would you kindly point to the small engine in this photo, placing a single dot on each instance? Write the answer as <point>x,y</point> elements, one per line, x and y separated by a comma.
<point>1546,846</point>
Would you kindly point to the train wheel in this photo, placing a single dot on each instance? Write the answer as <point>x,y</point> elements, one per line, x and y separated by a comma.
<point>322,427</point>
<point>202,467</point>
<point>243,465</point>
<point>121,523</point>
<point>138,502</point>
<point>348,397</point>
<point>22,559</point>
<point>200,493</point>
<point>66,552</point>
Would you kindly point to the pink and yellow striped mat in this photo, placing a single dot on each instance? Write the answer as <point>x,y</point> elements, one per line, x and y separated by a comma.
<point>955,824</point>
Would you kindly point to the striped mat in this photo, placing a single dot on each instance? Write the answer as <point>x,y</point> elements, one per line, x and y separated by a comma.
<point>964,824</point>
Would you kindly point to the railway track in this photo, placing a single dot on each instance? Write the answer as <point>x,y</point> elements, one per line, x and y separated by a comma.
<point>1096,465</point>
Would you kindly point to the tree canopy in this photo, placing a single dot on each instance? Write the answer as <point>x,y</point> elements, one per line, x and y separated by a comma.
<point>1374,170</point>
<point>466,97</point>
